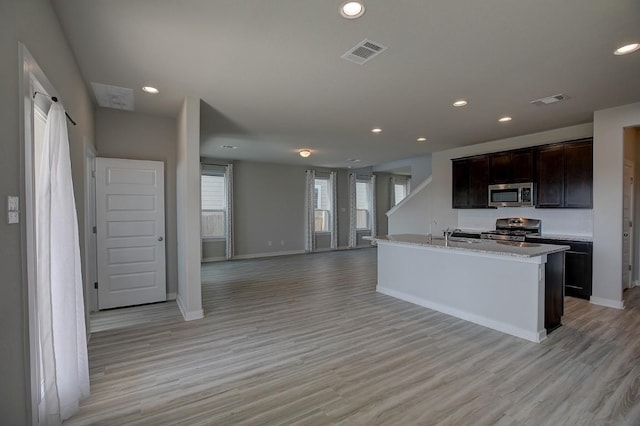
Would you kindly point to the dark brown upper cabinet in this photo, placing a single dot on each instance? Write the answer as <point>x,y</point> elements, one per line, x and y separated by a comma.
<point>511,167</point>
<point>578,175</point>
<point>565,175</point>
<point>470,182</point>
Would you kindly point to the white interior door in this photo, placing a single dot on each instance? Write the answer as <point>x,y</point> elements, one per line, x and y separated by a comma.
<point>130,222</point>
<point>627,218</point>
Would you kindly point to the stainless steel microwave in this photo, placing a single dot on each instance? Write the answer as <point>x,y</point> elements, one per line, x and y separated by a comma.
<point>511,195</point>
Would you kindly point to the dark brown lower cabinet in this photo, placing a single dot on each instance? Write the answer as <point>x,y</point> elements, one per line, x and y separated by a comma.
<point>577,268</point>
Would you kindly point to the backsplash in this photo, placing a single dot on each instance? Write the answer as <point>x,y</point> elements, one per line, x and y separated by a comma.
<point>577,222</point>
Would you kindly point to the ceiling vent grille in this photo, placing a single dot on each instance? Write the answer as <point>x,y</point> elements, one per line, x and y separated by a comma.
<point>113,96</point>
<point>550,99</point>
<point>364,51</point>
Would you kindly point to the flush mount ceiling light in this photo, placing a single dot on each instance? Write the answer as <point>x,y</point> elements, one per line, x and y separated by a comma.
<point>626,49</point>
<point>421,139</point>
<point>304,153</point>
<point>504,119</point>
<point>460,103</point>
<point>376,130</point>
<point>228,146</point>
<point>150,89</point>
<point>352,9</point>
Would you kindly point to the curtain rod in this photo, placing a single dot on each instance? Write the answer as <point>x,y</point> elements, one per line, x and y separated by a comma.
<point>54,99</point>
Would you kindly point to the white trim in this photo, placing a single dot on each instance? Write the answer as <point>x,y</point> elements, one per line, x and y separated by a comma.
<point>467,316</point>
<point>609,303</point>
<point>91,293</point>
<point>635,283</point>
<point>188,315</point>
<point>411,194</point>
<point>172,295</point>
<point>30,79</point>
<point>269,254</point>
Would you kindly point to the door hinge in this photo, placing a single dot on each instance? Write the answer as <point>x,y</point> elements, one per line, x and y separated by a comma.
<point>94,229</point>
<point>95,285</point>
<point>93,173</point>
<point>629,267</point>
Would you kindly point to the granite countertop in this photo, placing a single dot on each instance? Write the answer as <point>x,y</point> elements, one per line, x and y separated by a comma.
<point>504,248</point>
<point>581,238</point>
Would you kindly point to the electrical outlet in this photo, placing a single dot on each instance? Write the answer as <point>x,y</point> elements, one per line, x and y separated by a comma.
<point>282,243</point>
<point>269,243</point>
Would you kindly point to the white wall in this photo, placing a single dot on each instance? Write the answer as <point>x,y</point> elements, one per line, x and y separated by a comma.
<point>189,296</point>
<point>608,146</point>
<point>420,168</point>
<point>137,136</point>
<point>433,203</point>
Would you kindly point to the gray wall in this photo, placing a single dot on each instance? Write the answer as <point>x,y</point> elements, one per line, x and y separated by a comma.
<point>33,23</point>
<point>268,206</point>
<point>136,136</point>
<point>419,168</point>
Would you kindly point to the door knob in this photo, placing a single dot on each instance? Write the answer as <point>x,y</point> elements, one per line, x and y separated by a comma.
<point>160,238</point>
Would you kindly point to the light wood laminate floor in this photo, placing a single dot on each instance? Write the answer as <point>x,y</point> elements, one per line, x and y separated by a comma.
<point>306,340</point>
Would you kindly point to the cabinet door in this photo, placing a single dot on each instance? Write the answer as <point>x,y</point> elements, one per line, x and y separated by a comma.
<point>578,179</point>
<point>500,168</point>
<point>460,185</point>
<point>522,166</point>
<point>479,182</point>
<point>550,162</point>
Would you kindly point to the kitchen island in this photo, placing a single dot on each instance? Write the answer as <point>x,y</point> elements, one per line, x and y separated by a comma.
<point>512,287</point>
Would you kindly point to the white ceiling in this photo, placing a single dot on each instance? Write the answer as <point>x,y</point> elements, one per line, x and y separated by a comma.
<point>271,78</point>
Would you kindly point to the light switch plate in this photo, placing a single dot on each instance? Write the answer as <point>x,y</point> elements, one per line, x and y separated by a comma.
<point>13,217</point>
<point>13,203</point>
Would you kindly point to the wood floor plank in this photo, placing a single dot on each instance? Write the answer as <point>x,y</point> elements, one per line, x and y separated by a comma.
<point>306,340</point>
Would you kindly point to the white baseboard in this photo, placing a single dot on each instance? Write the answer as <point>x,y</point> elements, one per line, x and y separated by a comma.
<point>635,283</point>
<point>171,296</point>
<point>268,254</point>
<point>609,303</point>
<point>189,315</point>
<point>531,336</point>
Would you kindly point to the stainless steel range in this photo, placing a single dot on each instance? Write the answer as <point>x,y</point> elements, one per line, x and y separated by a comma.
<point>513,229</point>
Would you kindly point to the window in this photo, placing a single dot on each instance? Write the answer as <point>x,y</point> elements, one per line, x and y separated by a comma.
<point>401,190</point>
<point>322,203</point>
<point>363,205</point>
<point>213,206</point>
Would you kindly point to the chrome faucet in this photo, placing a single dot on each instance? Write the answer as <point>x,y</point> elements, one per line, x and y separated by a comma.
<point>448,233</point>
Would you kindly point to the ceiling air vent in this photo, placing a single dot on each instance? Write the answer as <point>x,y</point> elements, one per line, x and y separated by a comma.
<point>550,99</point>
<point>364,51</point>
<point>113,96</point>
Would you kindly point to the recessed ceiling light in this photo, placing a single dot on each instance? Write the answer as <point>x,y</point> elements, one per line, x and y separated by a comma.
<point>150,89</point>
<point>376,130</point>
<point>228,146</point>
<point>625,50</point>
<point>352,9</point>
<point>504,119</point>
<point>421,139</point>
<point>304,153</point>
<point>460,103</point>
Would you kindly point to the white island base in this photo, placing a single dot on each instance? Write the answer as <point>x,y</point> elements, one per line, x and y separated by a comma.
<point>502,291</point>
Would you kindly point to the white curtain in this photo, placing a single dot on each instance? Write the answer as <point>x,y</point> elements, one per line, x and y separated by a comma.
<point>309,231</point>
<point>374,214</point>
<point>60,306</point>
<point>333,178</point>
<point>229,213</point>
<point>353,235</point>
